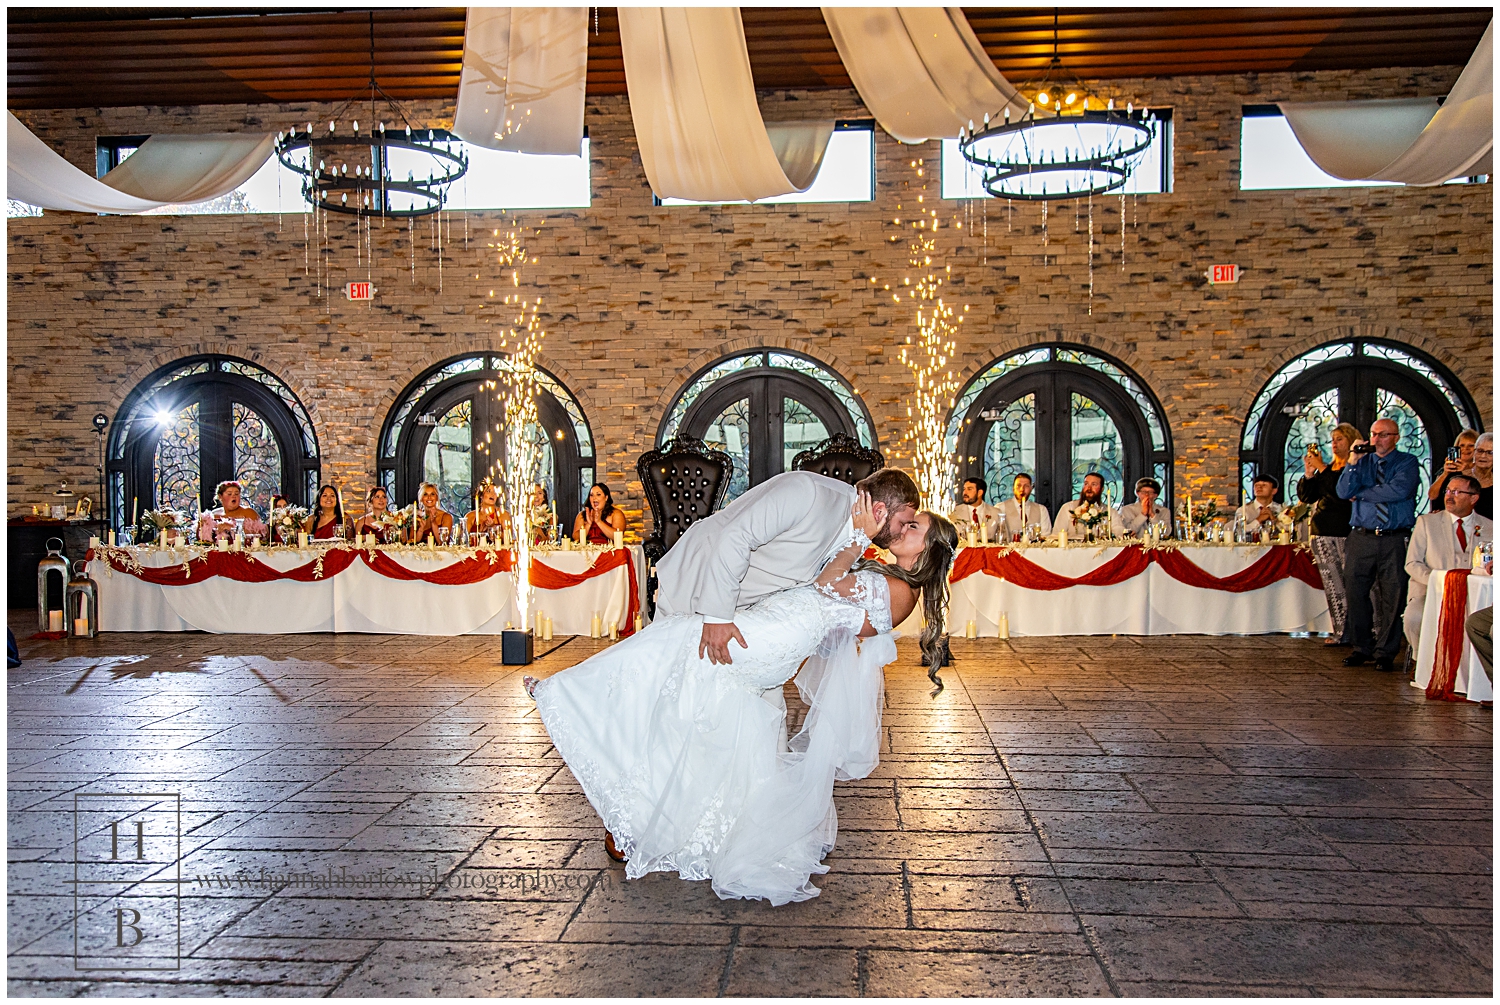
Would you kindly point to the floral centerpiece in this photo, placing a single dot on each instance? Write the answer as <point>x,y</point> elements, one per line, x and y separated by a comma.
<point>155,524</point>
<point>1089,516</point>
<point>1202,515</point>
<point>286,521</point>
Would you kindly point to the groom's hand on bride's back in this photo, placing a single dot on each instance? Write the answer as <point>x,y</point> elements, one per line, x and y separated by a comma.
<point>715,642</point>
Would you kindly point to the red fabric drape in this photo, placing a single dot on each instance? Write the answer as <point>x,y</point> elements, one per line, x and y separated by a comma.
<point>1450,640</point>
<point>1281,562</point>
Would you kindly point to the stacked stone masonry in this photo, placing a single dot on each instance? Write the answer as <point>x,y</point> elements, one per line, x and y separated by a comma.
<point>638,297</point>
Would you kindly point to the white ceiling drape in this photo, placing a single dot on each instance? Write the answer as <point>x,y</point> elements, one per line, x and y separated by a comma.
<point>692,98</point>
<point>1413,141</point>
<point>921,70</point>
<point>164,171</point>
<point>523,79</point>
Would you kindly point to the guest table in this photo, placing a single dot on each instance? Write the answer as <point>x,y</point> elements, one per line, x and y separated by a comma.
<point>1447,668</point>
<point>340,588</point>
<point>1169,589</point>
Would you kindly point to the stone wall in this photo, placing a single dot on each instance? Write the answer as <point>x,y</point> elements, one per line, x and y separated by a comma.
<point>638,297</point>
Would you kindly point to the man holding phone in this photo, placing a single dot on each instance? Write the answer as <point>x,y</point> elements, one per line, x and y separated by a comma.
<point>1382,486</point>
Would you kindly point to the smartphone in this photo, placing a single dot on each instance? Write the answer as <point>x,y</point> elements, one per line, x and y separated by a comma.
<point>1452,453</point>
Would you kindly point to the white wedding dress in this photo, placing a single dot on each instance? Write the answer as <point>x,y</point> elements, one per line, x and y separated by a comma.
<point>688,763</point>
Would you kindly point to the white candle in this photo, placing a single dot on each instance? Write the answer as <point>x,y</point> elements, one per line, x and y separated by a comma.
<point>1062,537</point>
<point>302,539</point>
<point>614,631</point>
<point>80,626</point>
<point>54,621</point>
<point>969,631</point>
<point>619,539</point>
<point>223,544</point>
<point>639,620</point>
<point>1004,625</point>
<point>111,539</point>
<point>984,533</point>
<point>93,543</point>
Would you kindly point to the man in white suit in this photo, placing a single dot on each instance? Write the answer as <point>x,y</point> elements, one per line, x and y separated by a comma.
<point>1019,512</point>
<point>1442,541</point>
<point>1145,511</point>
<point>974,512</point>
<point>776,536</point>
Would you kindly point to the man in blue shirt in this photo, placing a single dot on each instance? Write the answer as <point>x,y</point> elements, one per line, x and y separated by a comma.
<point>1382,485</point>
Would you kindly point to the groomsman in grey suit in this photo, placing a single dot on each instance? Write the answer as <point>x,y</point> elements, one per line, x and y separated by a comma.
<point>1019,512</point>
<point>1145,510</point>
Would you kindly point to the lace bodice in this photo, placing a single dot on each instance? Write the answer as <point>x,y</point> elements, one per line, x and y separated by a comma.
<point>870,592</point>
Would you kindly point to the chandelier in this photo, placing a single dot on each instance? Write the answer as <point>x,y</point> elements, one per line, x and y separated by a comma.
<point>360,175</point>
<point>1069,143</point>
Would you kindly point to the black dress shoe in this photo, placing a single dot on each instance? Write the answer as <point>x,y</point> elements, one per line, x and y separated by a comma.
<point>1356,659</point>
<point>1386,664</point>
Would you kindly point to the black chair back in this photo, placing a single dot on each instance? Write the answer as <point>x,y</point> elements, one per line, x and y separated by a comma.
<point>840,456</point>
<point>684,481</point>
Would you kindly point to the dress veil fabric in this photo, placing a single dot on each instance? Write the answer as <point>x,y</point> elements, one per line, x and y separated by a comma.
<point>687,763</point>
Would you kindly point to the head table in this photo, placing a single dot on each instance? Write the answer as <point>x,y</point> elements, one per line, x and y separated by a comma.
<point>1447,667</point>
<point>1136,589</point>
<point>391,589</point>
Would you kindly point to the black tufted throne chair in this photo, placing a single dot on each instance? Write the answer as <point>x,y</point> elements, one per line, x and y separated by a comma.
<point>840,456</point>
<point>684,481</point>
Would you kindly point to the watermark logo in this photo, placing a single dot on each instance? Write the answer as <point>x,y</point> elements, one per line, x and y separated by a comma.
<point>127,881</point>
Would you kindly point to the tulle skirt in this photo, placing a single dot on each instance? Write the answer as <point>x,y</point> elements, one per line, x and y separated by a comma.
<point>688,763</point>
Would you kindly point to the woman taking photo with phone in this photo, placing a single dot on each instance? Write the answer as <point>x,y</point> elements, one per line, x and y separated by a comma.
<point>1318,488</point>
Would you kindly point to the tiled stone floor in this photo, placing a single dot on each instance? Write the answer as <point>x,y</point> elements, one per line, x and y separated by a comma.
<point>1071,816</point>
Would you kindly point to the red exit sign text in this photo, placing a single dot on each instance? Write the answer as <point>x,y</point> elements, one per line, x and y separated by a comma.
<point>364,291</point>
<point>1220,274</point>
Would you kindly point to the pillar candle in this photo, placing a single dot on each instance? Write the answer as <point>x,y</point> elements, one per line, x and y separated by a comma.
<point>614,631</point>
<point>968,629</point>
<point>111,539</point>
<point>1004,625</point>
<point>302,539</point>
<point>93,543</point>
<point>639,621</point>
<point>1062,537</point>
<point>984,533</point>
<point>619,539</point>
<point>81,626</point>
<point>54,621</point>
<point>222,544</point>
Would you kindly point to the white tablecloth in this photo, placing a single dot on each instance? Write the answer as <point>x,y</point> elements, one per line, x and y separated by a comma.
<point>357,599</point>
<point>1471,679</point>
<point>1152,603</point>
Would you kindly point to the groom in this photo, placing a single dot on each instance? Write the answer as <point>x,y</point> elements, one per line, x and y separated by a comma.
<point>776,536</point>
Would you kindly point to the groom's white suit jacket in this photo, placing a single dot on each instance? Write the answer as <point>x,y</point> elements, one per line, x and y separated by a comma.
<point>776,536</point>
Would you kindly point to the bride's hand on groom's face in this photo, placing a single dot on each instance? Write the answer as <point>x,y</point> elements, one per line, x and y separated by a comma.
<point>867,515</point>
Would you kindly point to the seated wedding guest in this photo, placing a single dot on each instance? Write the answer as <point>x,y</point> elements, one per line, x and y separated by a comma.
<point>1484,470</point>
<point>432,520</point>
<point>600,519</point>
<point>1318,487</point>
<point>540,517</point>
<point>1145,511</point>
<point>377,510</point>
<point>1019,512</point>
<point>219,522</point>
<point>326,521</point>
<point>489,518</point>
<point>1263,510</point>
<point>974,512</point>
<point>1442,540</point>
<point>279,502</point>
<point>1070,519</point>
<point>1480,628</point>
<point>1460,458</point>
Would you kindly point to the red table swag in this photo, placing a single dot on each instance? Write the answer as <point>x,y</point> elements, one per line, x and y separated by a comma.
<point>1281,562</point>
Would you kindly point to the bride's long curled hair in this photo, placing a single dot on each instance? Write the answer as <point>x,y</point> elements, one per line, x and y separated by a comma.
<point>929,576</point>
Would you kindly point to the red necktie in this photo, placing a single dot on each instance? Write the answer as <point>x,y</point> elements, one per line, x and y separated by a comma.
<point>1463,542</point>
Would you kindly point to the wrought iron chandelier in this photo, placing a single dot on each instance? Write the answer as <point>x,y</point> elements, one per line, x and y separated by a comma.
<point>360,175</point>
<point>1069,144</point>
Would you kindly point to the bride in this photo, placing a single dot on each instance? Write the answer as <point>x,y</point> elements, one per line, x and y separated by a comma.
<point>687,762</point>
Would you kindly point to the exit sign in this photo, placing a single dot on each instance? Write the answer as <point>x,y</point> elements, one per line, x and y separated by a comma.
<point>1221,274</point>
<point>364,291</point>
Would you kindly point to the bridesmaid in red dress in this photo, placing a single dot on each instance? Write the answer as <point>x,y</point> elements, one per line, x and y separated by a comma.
<point>599,521</point>
<point>327,521</point>
<point>377,507</point>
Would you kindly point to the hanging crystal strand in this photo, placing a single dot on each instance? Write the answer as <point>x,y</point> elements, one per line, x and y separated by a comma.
<point>985,208</point>
<point>369,264</point>
<point>411,240</point>
<point>1009,213</point>
<point>306,264</point>
<point>1091,253</point>
<point>440,250</point>
<point>1122,231</point>
<point>1077,211</point>
<point>1044,233</point>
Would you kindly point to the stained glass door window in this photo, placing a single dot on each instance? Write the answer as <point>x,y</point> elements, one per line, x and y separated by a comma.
<point>177,469</point>
<point>1314,427</point>
<point>1010,447</point>
<point>447,461</point>
<point>729,431</point>
<point>1096,448</point>
<point>257,459</point>
<point>801,430</point>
